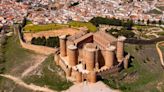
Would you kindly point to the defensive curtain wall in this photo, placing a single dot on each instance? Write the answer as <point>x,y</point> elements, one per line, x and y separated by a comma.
<point>41,49</point>
<point>51,33</point>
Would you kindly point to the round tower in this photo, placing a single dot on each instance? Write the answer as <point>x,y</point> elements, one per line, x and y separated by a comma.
<point>92,77</point>
<point>78,77</point>
<point>89,56</point>
<point>120,48</point>
<point>56,57</point>
<point>72,55</point>
<point>63,45</point>
<point>68,71</point>
<point>109,56</point>
<point>126,64</point>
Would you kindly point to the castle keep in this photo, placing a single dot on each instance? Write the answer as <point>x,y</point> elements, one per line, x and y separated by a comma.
<point>84,55</point>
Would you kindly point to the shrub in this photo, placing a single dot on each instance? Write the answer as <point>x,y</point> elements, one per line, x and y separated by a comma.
<point>124,32</point>
<point>52,42</point>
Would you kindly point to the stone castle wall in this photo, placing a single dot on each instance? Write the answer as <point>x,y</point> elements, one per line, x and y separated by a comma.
<point>51,33</point>
<point>35,48</point>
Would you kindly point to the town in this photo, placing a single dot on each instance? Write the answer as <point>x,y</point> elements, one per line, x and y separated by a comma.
<point>50,11</point>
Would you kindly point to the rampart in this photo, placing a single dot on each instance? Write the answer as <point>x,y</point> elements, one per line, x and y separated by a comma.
<point>35,48</point>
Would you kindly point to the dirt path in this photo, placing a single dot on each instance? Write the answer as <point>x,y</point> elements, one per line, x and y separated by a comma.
<point>91,87</point>
<point>28,86</point>
<point>37,62</point>
<point>160,52</point>
<point>20,68</point>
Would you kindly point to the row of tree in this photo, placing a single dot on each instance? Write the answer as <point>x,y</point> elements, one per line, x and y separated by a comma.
<point>2,46</point>
<point>50,42</point>
<point>3,41</point>
<point>159,22</point>
<point>128,24</point>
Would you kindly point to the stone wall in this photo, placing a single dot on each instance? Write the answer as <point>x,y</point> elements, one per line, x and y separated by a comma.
<point>51,33</point>
<point>35,48</point>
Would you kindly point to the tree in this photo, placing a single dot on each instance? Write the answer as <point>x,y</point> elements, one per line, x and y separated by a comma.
<point>19,0</point>
<point>128,25</point>
<point>50,42</point>
<point>148,21</point>
<point>24,21</point>
<point>43,41</point>
<point>3,39</point>
<point>107,21</point>
<point>139,21</point>
<point>39,41</point>
<point>160,22</point>
<point>153,22</point>
<point>2,59</point>
<point>33,41</point>
<point>143,21</point>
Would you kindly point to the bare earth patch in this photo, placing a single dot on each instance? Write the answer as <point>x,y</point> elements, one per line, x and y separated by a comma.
<point>91,87</point>
<point>28,66</point>
<point>36,62</point>
<point>32,87</point>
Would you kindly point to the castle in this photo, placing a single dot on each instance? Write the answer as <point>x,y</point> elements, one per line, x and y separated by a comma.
<point>84,55</point>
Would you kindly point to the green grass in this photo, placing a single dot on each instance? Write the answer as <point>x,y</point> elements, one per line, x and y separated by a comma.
<point>46,27</point>
<point>161,47</point>
<point>15,54</point>
<point>28,22</point>
<point>144,73</point>
<point>51,79</point>
<point>88,25</point>
<point>160,33</point>
<point>161,8</point>
<point>140,27</point>
<point>154,11</point>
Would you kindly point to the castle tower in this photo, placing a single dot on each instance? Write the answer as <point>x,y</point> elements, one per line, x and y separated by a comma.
<point>78,77</point>
<point>90,56</point>
<point>63,45</point>
<point>120,48</point>
<point>68,71</point>
<point>72,55</point>
<point>91,77</point>
<point>109,56</point>
<point>56,58</point>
